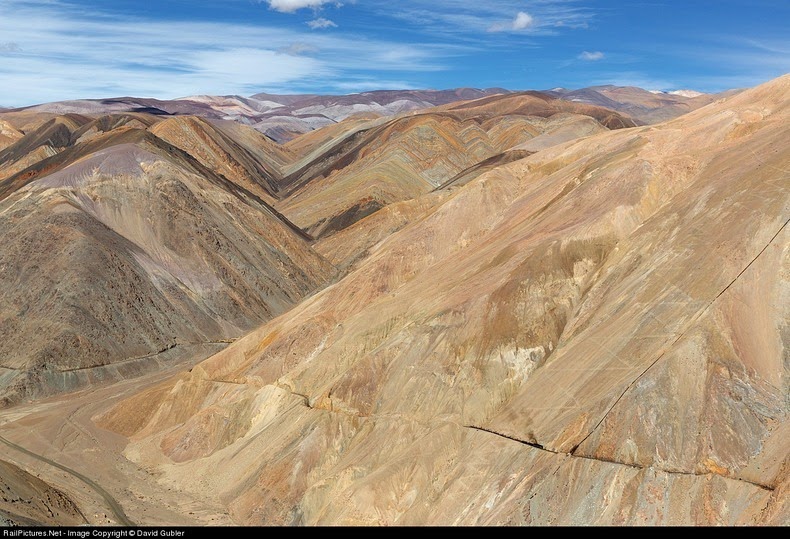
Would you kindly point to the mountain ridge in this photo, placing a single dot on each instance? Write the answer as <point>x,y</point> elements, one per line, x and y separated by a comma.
<point>482,364</point>
<point>296,114</point>
<point>509,310</point>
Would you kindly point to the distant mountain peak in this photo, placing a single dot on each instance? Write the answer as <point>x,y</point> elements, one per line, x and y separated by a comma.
<point>283,117</point>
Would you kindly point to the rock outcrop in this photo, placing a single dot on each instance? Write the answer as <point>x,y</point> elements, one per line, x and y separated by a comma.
<point>25,500</point>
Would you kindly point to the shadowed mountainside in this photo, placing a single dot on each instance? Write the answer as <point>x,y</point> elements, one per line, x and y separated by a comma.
<point>118,247</point>
<point>594,334</point>
<point>356,174</point>
<point>130,237</point>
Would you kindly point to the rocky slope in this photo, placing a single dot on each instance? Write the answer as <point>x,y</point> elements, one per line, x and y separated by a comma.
<point>118,246</point>
<point>8,134</point>
<point>137,233</point>
<point>382,162</point>
<point>594,334</point>
<point>25,500</point>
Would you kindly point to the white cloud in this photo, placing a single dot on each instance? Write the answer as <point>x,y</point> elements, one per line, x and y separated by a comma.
<point>110,56</point>
<point>467,19</point>
<point>367,85</point>
<point>591,56</point>
<point>521,21</point>
<point>249,65</point>
<point>321,22</point>
<point>291,6</point>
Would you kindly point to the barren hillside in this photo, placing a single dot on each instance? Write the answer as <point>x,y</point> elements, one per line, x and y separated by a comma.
<point>593,334</point>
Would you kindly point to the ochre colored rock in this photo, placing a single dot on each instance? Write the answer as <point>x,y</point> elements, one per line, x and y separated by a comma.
<point>593,334</point>
<point>26,500</point>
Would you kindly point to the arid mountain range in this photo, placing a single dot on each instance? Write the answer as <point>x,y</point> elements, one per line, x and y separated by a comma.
<point>284,117</point>
<point>507,308</point>
<point>644,106</point>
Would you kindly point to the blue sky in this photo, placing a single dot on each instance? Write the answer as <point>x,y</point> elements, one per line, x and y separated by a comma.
<point>54,50</point>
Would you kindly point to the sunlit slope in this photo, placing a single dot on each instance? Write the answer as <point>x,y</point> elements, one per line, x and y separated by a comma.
<point>401,159</point>
<point>595,334</point>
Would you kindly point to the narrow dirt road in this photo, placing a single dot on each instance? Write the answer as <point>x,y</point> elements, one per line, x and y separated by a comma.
<point>114,506</point>
<point>62,428</point>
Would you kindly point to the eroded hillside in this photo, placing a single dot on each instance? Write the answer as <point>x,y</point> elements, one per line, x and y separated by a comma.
<point>501,311</point>
<point>593,334</point>
<point>120,247</point>
<point>131,237</point>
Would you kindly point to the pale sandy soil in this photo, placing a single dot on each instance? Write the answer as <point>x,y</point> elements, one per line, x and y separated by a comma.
<point>61,429</point>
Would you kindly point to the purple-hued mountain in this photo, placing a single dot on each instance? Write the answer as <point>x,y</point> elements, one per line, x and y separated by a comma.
<point>283,117</point>
<point>644,106</point>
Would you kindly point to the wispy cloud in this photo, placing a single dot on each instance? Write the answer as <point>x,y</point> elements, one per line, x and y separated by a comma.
<point>71,53</point>
<point>368,84</point>
<point>719,62</point>
<point>771,45</point>
<point>591,56</point>
<point>10,46</point>
<point>521,21</point>
<point>297,49</point>
<point>466,18</point>
<point>291,6</point>
<point>738,53</point>
<point>320,23</point>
